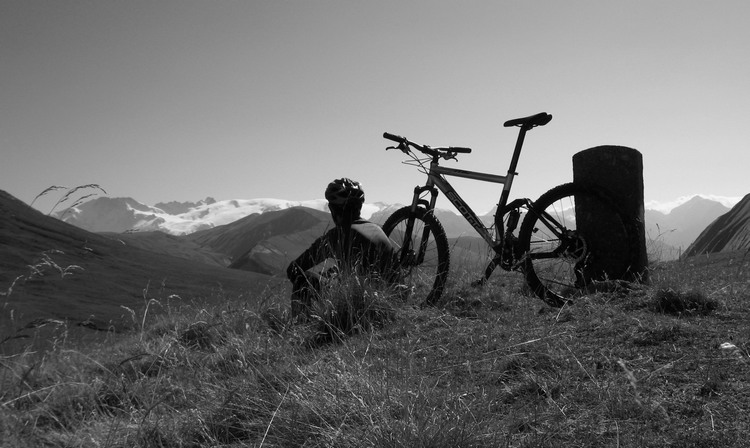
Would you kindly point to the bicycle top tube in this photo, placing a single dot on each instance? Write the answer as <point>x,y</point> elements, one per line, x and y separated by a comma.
<point>474,175</point>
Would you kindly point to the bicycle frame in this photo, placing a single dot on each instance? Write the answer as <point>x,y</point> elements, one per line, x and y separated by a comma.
<point>436,178</point>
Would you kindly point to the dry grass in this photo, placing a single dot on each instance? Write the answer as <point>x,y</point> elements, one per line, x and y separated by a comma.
<point>661,365</point>
<point>76,195</point>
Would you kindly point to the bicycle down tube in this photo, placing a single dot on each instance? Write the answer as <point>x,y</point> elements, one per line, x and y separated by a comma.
<point>436,177</point>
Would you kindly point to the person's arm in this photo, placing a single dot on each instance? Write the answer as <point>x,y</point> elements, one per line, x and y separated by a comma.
<point>311,257</point>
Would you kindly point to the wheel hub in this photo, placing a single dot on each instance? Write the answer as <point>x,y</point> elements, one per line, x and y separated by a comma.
<point>572,246</point>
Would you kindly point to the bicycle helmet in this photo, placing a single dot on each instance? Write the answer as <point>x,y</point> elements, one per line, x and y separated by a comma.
<point>345,193</point>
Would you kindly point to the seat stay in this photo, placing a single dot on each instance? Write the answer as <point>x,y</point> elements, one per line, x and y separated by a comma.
<point>552,224</point>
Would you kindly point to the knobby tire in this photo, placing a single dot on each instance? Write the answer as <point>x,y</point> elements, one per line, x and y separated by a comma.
<point>556,269</point>
<point>425,277</point>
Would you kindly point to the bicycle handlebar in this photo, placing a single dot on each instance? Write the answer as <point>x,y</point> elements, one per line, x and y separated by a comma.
<point>394,137</point>
<point>458,149</point>
<point>440,151</point>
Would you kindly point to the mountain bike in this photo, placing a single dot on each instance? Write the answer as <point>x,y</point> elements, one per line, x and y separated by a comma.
<point>557,257</point>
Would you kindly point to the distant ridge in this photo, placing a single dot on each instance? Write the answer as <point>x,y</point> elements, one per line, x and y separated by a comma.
<point>674,231</point>
<point>729,232</point>
<point>666,207</point>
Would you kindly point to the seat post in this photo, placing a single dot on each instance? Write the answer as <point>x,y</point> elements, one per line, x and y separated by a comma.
<point>512,169</point>
<point>517,150</point>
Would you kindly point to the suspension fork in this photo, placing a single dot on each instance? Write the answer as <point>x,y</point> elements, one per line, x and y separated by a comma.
<point>429,206</point>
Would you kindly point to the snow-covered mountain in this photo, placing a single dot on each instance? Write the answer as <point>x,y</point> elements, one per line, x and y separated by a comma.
<point>176,208</point>
<point>106,214</point>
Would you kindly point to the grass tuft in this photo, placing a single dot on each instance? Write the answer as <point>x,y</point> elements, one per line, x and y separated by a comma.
<point>352,305</point>
<point>692,302</point>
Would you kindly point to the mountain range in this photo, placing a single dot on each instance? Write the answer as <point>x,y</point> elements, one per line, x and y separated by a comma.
<point>668,233</point>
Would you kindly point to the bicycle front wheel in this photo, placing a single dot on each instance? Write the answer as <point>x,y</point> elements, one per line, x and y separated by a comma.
<point>423,252</point>
<point>560,256</point>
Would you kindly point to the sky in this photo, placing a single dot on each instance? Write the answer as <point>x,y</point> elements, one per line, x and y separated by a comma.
<point>179,100</point>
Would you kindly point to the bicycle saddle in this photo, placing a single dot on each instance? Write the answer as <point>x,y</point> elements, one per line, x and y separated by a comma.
<point>539,119</point>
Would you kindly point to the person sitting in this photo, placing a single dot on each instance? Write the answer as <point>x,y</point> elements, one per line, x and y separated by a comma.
<point>358,246</point>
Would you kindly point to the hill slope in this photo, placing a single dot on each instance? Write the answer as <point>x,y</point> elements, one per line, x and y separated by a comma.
<point>729,232</point>
<point>49,268</point>
<point>176,246</point>
<point>266,242</point>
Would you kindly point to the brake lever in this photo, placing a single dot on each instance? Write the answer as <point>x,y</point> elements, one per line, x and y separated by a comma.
<point>403,147</point>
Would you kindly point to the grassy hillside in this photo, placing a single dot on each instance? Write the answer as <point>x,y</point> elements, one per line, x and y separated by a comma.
<point>659,365</point>
<point>51,269</point>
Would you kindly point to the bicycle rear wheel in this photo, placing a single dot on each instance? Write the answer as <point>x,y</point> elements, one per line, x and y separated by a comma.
<point>422,251</point>
<point>559,257</point>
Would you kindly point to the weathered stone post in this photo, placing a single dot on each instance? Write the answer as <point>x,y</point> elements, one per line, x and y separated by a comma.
<point>618,170</point>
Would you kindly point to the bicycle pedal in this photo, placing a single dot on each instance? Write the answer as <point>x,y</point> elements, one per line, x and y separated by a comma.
<point>506,262</point>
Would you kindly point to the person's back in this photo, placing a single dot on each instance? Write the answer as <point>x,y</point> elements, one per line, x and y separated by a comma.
<point>359,247</point>
<point>364,249</point>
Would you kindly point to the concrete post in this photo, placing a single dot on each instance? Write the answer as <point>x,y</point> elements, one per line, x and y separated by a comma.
<point>619,170</point>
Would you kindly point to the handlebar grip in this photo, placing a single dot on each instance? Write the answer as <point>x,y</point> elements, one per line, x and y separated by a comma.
<point>459,149</point>
<point>393,137</point>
